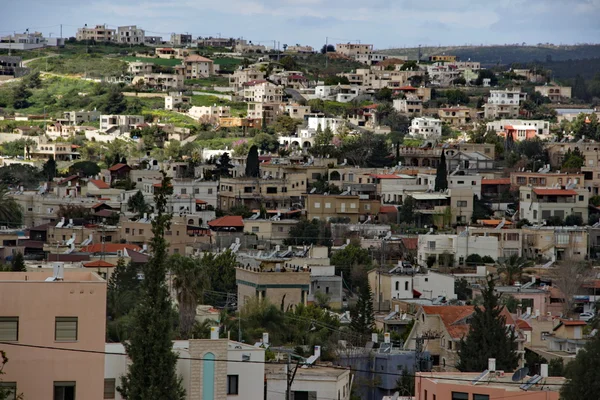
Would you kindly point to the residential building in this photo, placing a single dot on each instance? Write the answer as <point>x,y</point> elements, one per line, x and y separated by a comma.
<point>370,58</point>
<point>198,67</point>
<point>313,382</point>
<point>130,35</point>
<point>159,81</point>
<point>425,127</point>
<point>326,206</point>
<point>554,92</point>
<point>243,373</point>
<point>510,239</point>
<point>242,76</point>
<point>269,192</point>
<point>120,123</point>
<point>451,324</point>
<point>555,243</point>
<point>271,280</point>
<point>443,57</point>
<point>139,67</point>
<point>209,113</point>
<point>409,105</point>
<point>180,39</point>
<point>153,40</point>
<point>67,306</point>
<point>452,250</point>
<point>542,127</point>
<point>99,33</point>
<point>353,49</point>
<point>339,93</point>
<point>175,100</point>
<point>455,116</point>
<point>265,113</point>
<point>499,385</point>
<point>274,230</point>
<point>546,179</point>
<point>76,118</point>
<point>539,204</point>
<point>170,52</point>
<point>11,67</point>
<point>60,151</point>
<point>262,91</point>
<point>297,111</point>
<point>534,301</point>
<point>298,49</point>
<point>503,104</point>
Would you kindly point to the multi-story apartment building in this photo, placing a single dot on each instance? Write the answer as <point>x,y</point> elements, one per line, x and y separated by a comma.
<point>410,105</point>
<point>99,33</point>
<point>176,100</point>
<point>61,151</point>
<point>425,127</point>
<point>510,240</point>
<point>554,92</point>
<point>548,180</point>
<point>326,206</point>
<point>11,66</point>
<point>542,127</point>
<point>180,39</point>
<point>503,103</point>
<point>170,52</point>
<point>265,112</point>
<point>121,123</point>
<point>454,249</point>
<point>539,204</point>
<point>139,68</point>
<point>272,193</point>
<point>210,113</point>
<point>555,243</point>
<point>130,35</point>
<point>353,49</point>
<point>198,67</point>
<point>160,81</point>
<point>65,315</point>
<point>241,76</point>
<point>262,91</point>
<point>455,115</point>
<point>80,117</point>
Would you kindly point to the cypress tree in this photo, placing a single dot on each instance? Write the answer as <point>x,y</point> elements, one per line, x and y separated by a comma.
<point>18,263</point>
<point>152,373</point>
<point>488,337</point>
<point>582,373</point>
<point>252,163</point>
<point>363,317</point>
<point>441,175</point>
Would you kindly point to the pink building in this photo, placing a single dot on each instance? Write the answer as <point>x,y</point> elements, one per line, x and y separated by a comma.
<point>69,313</point>
<point>459,386</point>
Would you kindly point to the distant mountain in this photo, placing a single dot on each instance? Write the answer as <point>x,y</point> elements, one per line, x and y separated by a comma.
<point>506,54</point>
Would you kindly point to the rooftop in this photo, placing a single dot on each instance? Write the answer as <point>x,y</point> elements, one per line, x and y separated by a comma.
<point>502,382</point>
<point>41,276</point>
<point>554,192</point>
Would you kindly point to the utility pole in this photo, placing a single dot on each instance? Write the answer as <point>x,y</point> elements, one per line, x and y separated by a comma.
<point>290,377</point>
<point>326,48</point>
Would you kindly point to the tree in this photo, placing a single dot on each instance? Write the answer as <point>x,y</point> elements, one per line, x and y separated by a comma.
<point>323,139</point>
<point>18,263</point>
<point>463,290</point>
<point>20,96</point>
<point>407,210</point>
<point>486,74</point>
<point>49,169</point>
<point>307,232</point>
<point>488,337</point>
<point>384,94</point>
<point>350,258</point>
<point>569,276</point>
<point>410,65</point>
<point>266,142</point>
<point>580,89</point>
<point>441,174</point>
<point>33,80</point>
<point>223,165</point>
<point>137,204</point>
<point>405,384</point>
<point>513,268</point>
<point>363,316</point>
<point>380,155</point>
<point>114,101</point>
<point>152,372</point>
<point>334,80</point>
<point>327,48</point>
<point>573,220</point>
<point>289,63</point>
<point>11,214</point>
<point>190,280</point>
<point>573,159</point>
<point>220,270</point>
<point>457,96</point>
<point>582,373</point>
<point>85,168</point>
<point>286,125</point>
<point>252,162</point>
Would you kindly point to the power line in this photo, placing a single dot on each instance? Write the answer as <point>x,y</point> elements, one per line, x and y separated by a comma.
<point>336,367</point>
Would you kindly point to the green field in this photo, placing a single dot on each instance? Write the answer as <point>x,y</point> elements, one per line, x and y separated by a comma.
<point>211,81</point>
<point>91,65</point>
<point>237,108</point>
<point>227,63</point>
<point>169,117</point>
<point>167,62</point>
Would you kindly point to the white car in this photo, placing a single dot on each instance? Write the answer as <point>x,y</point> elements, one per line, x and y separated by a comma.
<point>586,316</point>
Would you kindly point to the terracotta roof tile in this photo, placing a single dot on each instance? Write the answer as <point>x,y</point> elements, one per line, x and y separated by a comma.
<point>387,209</point>
<point>98,264</point>
<point>554,192</point>
<point>117,167</point>
<point>197,58</point>
<point>227,221</point>
<point>500,181</point>
<point>99,184</point>
<point>452,315</point>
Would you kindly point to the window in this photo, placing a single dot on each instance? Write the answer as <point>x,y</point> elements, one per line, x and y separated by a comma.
<point>210,191</point>
<point>461,203</point>
<point>183,191</point>
<point>431,245</point>
<point>9,329</point>
<point>109,388</point>
<point>65,329</point>
<point>126,230</point>
<point>397,285</point>
<point>196,191</point>
<point>481,396</point>
<point>64,390</point>
<point>10,388</point>
<point>406,285</point>
<point>327,205</point>
<point>317,205</point>
<point>580,198</point>
<point>511,237</point>
<point>232,384</point>
<point>352,205</point>
<point>460,396</point>
<point>255,229</point>
<point>141,231</point>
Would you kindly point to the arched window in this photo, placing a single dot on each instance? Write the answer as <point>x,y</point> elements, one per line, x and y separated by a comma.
<point>190,221</point>
<point>334,176</point>
<point>397,285</point>
<point>406,285</point>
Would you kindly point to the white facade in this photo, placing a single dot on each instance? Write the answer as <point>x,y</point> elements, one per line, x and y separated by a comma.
<point>130,35</point>
<point>458,246</point>
<point>332,123</point>
<point>542,127</point>
<point>124,123</point>
<point>426,127</point>
<point>172,100</point>
<point>263,92</point>
<point>433,285</point>
<point>209,112</point>
<point>314,382</point>
<point>506,97</point>
<point>539,204</point>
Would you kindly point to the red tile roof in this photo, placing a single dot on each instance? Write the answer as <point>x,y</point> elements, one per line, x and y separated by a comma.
<point>410,243</point>
<point>198,201</point>
<point>387,209</point>
<point>385,176</point>
<point>567,322</point>
<point>99,184</point>
<point>371,106</point>
<point>67,179</point>
<point>554,192</point>
<point>197,58</point>
<point>296,76</point>
<point>100,204</point>
<point>227,221</point>
<point>500,181</point>
<point>109,247</point>
<point>494,222</point>
<point>117,167</point>
<point>524,325</point>
<point>408,87</point>
<point>98,264</point>
<point>452,315</point>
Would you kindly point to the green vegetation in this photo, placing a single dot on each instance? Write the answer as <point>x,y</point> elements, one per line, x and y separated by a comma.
<point>237,108</point>
<point>227,64</point>
<point>316,68</point>
<point>90,65</point>
<point>211,81</point>
<point>169,117</point>
<point>165,62</point>
<point>581,373</point>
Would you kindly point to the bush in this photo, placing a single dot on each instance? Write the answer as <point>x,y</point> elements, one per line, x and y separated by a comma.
<point>473,259</point>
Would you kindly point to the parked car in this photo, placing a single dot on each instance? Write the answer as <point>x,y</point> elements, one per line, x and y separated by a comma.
<point>586,316</point>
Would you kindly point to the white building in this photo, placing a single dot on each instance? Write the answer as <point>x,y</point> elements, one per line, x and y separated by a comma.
<point>425,127</point>
<point>130,34</point>
<point>81,117</point>
<point>503,103</point>
<point>456,246</point>
<point>200,375</point>
<point>542,127</point>
<point>262,92</point>
<point>332,123</point>
<point>540,203</point>
<point>122,123</point>
<point>339,93</point>
<point>210,112</point>
<point>139,68</point>
<point>175,99</point>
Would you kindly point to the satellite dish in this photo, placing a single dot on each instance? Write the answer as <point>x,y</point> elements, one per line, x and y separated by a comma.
<point>520,374</point>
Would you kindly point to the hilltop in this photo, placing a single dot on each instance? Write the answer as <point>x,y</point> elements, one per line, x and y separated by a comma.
<point>506,54</point>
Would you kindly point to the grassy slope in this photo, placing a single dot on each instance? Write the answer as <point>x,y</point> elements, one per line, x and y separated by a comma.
<point>92,65</point>
<point>167,62</point>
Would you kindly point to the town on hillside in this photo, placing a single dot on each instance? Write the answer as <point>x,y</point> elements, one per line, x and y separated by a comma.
<point>189,217</point>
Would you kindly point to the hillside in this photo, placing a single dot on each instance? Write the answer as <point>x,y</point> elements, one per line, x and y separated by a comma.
<point>507,54</point>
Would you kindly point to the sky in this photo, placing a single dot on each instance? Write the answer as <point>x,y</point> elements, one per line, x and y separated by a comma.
<point>383,23</point>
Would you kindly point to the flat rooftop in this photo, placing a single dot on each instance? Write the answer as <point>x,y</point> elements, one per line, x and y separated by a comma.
<point>505,382</point>
<point>277,371</point>
<point>41,276</point>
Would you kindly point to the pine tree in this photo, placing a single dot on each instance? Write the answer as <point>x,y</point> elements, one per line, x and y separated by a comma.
<point>488,337</point>
<point>18,263</point>
<point>252,162</point>
<point>137,204</point>
<point>582,373</point>
<point>152,373</point>
<point>363,317</point>
<point>49,169</point>
<point>441,175</point>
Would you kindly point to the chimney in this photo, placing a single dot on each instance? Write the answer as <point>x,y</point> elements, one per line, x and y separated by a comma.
<point>544,370</point>
<point>265,338</point>
<point>374,337</point>
<point>214,333</point>
<point>386,337</point>
<point>491,364</point>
